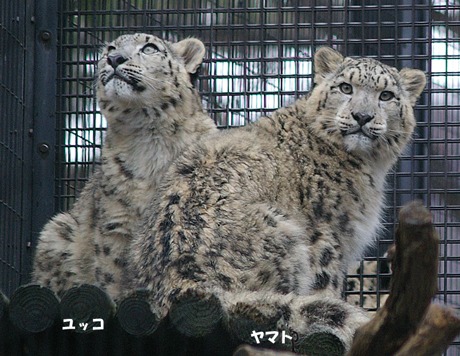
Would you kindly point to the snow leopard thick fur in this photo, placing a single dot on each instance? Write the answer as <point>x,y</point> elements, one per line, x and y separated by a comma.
<point>263,221</point>
<point>154,112</point>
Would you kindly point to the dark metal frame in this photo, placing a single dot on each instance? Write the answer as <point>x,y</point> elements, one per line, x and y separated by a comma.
<point>44,142</point>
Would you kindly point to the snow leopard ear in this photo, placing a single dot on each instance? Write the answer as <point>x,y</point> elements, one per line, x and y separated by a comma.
<point>192,51</point>
<point>414,82</point>
<point>326,61</point>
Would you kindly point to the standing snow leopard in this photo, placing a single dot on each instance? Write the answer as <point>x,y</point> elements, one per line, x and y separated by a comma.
<point>260,223</point>
<point>145,92</point>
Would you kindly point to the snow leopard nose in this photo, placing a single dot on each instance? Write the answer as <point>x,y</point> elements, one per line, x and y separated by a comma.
<point>115,60</point>
<point>362,119</point>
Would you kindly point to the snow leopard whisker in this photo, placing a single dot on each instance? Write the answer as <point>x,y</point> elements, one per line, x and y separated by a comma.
<point>394,133</point>
<point>385,142</point>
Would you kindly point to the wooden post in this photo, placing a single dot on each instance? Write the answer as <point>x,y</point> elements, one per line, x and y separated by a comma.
<point>87,304</point>
<point>33,308</point>
<point>413,285</point>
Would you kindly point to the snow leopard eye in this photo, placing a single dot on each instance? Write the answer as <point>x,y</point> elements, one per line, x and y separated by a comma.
<point>386,95</point>
<point>150,48</point>
<point>346,88</point>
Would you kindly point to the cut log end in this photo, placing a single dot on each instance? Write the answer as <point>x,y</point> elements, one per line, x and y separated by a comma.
<point>33,308</point>
<point>321,344</point>
<point>245,318</point>
<point>135,315</point>
<point>195,315</point>
<point>85,303</point>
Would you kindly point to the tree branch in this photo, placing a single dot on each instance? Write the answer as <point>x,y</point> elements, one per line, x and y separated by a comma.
<point>413,285</point>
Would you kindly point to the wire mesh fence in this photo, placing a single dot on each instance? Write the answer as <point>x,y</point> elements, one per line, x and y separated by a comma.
<point>15,126</point>
<point>259,58</point>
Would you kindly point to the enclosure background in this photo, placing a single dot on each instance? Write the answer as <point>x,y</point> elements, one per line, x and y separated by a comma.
<point>259,58</point>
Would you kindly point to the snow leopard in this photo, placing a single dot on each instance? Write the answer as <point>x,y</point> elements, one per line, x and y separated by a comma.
<point>145,90</point>
<point>259,224</point>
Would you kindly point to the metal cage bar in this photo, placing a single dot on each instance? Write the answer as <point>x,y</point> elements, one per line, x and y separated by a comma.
<point>16,95</point>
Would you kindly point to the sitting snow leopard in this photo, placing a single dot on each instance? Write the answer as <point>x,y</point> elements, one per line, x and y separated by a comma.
<point>145,92</point>
<point>260,223</point>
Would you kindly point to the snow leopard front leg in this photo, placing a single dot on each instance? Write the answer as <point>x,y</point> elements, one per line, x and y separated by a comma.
<point>313,325</point>
<point>255,283</point>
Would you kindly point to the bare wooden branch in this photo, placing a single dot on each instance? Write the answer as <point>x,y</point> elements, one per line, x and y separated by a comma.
<point>33,308</point>
<point>85,303</point>
<point>439,329</point>
<point>413,285</point>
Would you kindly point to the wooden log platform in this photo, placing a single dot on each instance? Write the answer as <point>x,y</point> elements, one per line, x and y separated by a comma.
<point>408,323</point>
